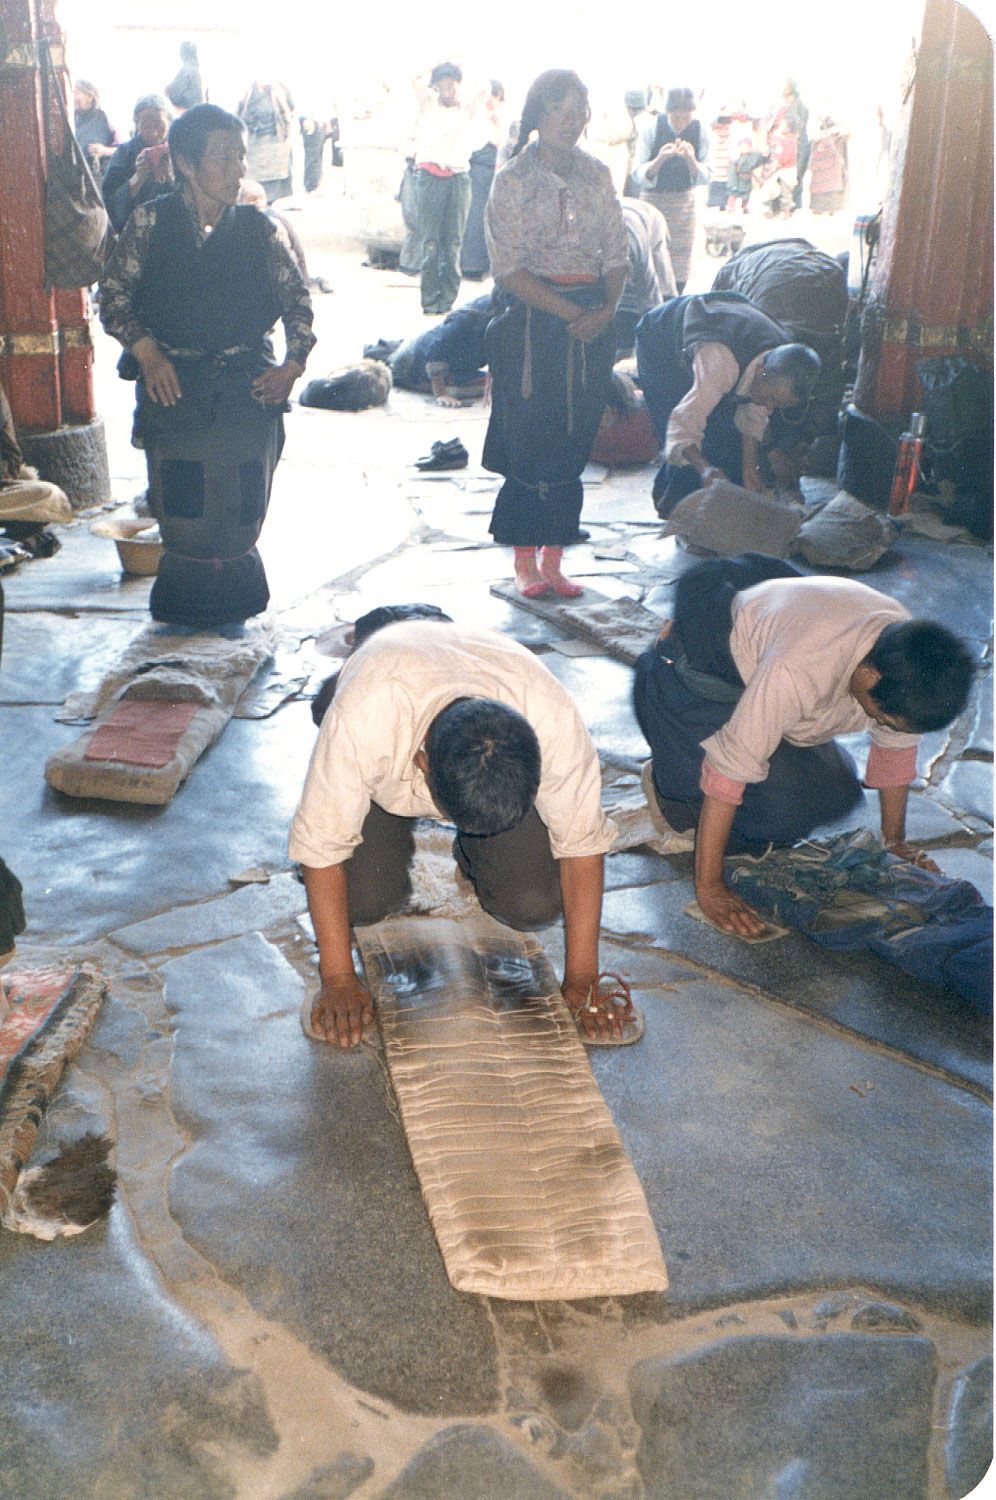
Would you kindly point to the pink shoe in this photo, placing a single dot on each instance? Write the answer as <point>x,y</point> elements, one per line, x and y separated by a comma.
<point>549,566</point>
<point>528,581</point>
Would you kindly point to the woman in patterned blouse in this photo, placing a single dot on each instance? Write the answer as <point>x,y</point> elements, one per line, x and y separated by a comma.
<point>558,253</point>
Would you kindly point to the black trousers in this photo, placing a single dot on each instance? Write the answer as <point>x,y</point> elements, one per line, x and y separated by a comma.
<point>514,873</point>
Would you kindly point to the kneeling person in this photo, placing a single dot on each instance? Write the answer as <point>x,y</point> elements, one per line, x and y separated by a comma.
<point>741,697</point>
<point>460,724</point>
<point>713,368</point>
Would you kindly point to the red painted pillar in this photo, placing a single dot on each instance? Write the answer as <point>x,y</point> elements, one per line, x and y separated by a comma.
<point>46,353</point>
<point>932,286</point>
<point>29,365</point>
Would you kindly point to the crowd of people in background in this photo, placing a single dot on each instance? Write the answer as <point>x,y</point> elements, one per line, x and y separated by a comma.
<point>582,244</point>
<point>662,145</point>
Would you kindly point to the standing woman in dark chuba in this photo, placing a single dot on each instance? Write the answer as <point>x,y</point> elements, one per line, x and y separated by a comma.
<point>558,252</point>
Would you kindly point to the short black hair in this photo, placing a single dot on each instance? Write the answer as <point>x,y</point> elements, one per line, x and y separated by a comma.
<point>484,765</point>
<point>393,614</point>
<point>188,134</point>
<point>796,363</point>
<point>926,674</point>
<point>446,70</point>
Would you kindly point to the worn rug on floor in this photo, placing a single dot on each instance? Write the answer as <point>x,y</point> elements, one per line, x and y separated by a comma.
<point>528,1186</point>
<point>167,699</point>
<point>622,627</point>
<point>46,1017</point>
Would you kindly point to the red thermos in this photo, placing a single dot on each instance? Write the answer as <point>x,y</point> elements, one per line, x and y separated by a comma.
<point>907,465</point>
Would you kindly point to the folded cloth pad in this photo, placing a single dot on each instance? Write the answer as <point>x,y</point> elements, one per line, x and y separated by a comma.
<point>849,892</point>
<point>529,1188</point>
<point>623,627</point>
<point>157,711</point>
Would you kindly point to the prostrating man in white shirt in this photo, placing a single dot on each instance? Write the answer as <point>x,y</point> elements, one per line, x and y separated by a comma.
<point>741,696</point>
<point>430,719</point>
<point>713,368</point>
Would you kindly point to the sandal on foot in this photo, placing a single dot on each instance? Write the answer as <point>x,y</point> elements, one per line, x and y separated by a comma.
<point>616,1000</point>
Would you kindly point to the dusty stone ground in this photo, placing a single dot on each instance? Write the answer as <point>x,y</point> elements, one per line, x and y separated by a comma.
<point>265,1314</point>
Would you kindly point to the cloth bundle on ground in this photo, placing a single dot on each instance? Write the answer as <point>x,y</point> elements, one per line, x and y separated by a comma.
<point>167,700</point>
<point>529,1188</point>
<point>352,388</point>
<point>848,892</point>
<point>805,290</point>
<point>844,534</point>
<point>726,519</point>
<point>626,434</point>
<point>44,1021</point>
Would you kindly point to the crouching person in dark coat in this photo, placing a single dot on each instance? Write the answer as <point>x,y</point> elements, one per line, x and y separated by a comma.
<point>713,369</point>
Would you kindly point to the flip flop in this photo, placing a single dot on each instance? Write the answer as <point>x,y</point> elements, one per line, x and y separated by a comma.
<point>622,1003</point>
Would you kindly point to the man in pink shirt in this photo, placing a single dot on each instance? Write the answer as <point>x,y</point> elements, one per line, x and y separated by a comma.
<point>741,697</point>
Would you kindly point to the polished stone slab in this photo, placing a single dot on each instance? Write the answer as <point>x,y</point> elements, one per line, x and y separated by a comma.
<point>968,1451</point>
<point>474,1464</point>
<point>969,787</point>
<point>89,867</point>
<point>251,908</point>
<point>778,1155</point>
<point>298,1186</point>
<point>856,990</point>
<point>110,1387</point>
<point>830,1417</point>
<point>46,655</point>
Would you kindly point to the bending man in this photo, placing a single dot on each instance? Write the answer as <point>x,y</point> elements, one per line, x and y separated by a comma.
<point>742,695</point>
<point>713,369</point>
<point>433,720</point>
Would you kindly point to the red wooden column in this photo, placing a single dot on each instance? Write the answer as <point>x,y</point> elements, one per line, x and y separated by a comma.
<point>29,365</point>
<point>46,352</point>
<point>932,285</point>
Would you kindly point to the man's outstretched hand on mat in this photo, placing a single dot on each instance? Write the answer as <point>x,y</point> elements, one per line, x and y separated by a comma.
<point>594,1015</point>
<point>342,1011</point>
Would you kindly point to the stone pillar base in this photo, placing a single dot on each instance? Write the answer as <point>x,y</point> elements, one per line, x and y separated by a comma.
<point>74,458</point>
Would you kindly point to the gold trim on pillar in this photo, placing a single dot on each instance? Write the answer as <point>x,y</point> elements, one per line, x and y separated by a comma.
<point>28,54</point>
<point>916,335</point>
<point>76,338</point>
<point>14,344</point>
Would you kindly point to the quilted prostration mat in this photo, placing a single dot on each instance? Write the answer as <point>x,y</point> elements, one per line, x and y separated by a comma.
<point>528,1186</point>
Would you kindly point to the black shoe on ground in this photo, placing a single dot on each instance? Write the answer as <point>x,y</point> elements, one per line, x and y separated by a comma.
<point>444,456</point>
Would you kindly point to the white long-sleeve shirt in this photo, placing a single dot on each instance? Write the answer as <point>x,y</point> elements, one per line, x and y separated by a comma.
<point>796,643</point>
<point>715,373</point>
<point>389,692</point>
